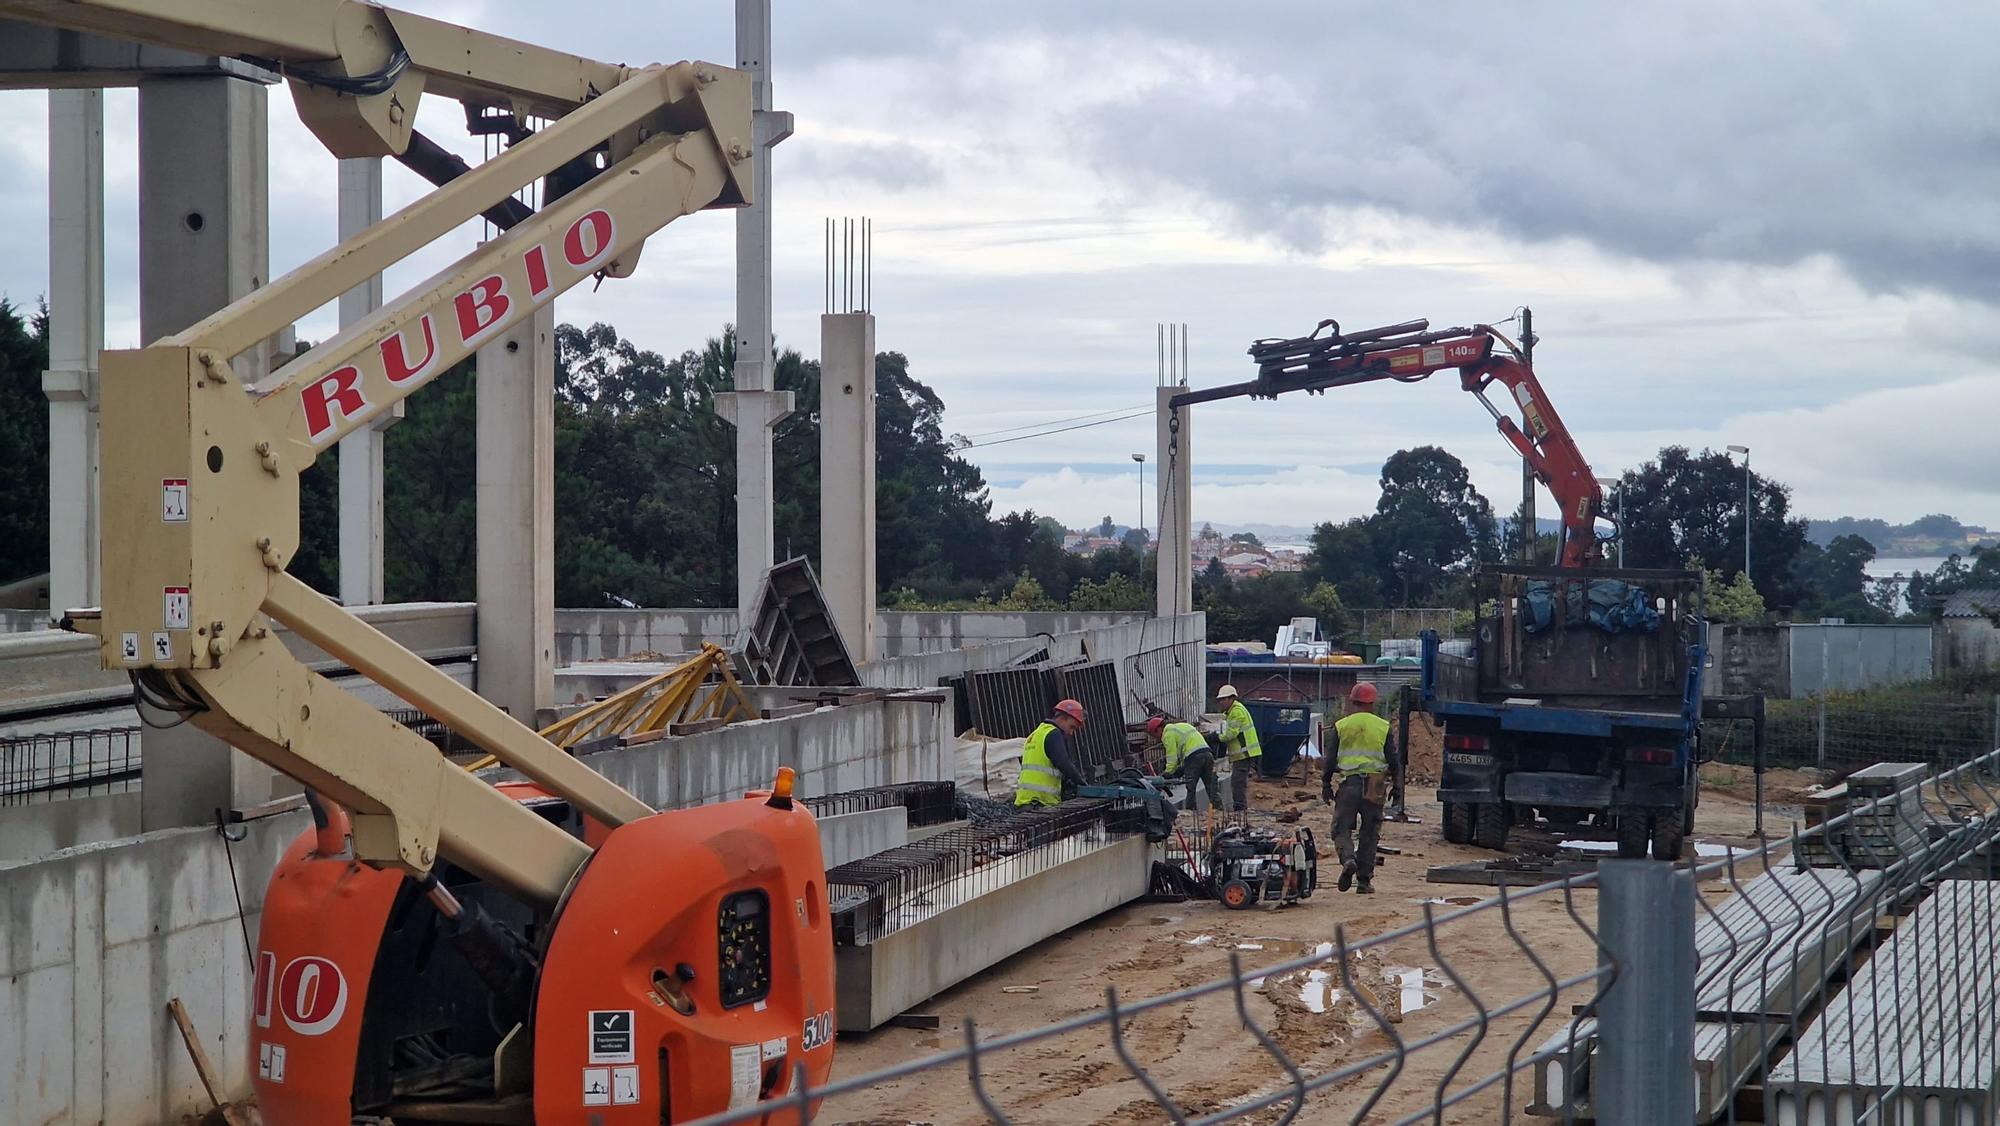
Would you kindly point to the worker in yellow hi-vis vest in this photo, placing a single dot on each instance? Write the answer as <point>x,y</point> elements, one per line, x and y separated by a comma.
<point>1048,761</point>
<point>1239,741</point>
<point>1188,757</point>
<point>1362,759</point>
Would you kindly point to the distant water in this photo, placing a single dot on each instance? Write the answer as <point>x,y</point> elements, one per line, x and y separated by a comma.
<point>1883,568</point>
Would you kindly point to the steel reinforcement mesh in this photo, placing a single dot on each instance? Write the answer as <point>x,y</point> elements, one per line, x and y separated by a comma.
<point>928,803</point>
<point>876,896</point>
<point>1101,746</point>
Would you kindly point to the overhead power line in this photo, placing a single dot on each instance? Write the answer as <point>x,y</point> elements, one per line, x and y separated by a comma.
<point>1057,430</point>
<point>1053,422</point>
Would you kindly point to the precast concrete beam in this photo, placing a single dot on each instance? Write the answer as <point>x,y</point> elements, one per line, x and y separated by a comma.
<point>514,496</point>
<point>1173,485</point>
<point>847,477</point>
<point>76,336</point>
<point>361,537</point>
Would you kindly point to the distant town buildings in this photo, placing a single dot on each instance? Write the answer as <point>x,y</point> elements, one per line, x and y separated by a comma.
<point>1241,558</point>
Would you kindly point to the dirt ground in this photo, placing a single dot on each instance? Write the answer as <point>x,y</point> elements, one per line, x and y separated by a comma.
<point>1199,1051</point>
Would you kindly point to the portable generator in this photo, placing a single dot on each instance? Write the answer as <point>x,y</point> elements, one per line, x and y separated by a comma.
<point>1251,866</point>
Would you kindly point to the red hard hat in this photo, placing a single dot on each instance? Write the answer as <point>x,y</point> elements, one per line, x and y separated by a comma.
<point>1363,693</point>
<point>1156,725</point>
<point>1071,709</point>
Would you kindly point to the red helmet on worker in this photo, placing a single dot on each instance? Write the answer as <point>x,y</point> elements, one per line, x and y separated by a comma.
<point>1155,725</point>
<point>1071,709</point>
<point>1363,694</point>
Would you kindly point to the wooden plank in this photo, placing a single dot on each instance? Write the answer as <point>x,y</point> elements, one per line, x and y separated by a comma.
<point>204,1068</point>
<point>787,711</point>
<point>696,727</point>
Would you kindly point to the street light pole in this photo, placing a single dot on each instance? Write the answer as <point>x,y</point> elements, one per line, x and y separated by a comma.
<point>1141,459</point>
<point>1745,451</point>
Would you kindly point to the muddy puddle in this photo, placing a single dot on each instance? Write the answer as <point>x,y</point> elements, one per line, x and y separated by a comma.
<point>1703,849</point>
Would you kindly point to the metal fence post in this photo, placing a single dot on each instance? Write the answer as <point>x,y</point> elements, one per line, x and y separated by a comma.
<point>1996,722</point>
<point>1645,927</point>
<point>1820,759</point>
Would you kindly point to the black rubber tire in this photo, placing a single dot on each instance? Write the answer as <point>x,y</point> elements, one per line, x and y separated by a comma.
<point>1489,825</point>
<point>1457,822</point>
<point>1635,833</point>
<point>1237,896</point>
<point>1669,835</point>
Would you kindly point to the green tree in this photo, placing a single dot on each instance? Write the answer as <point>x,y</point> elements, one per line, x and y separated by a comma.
<point>1430,525</point>
<point>1346,556</point>
<point>1324,602</point>
<point>24,444</point>
<point>1684,505</point>
<point>1116,593</point>
<point>1248,539</point>
<point>1834,573</point>
<point>1734,601</point>
<point>1105,527</point>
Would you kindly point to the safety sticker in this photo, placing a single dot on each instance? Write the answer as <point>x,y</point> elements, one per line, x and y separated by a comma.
<point>611,1036</point>
<point>128,648</point>
<point>271,1062</point>
<point>179,607</point>
<point>624,1085</point>
<point>774,1048</point>
<point>163,646</point>
<point>597,1086</point>
<point>745,1074</point>
<point>173,500</point>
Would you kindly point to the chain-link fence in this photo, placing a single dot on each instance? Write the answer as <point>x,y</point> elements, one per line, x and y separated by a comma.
<point>1842,731</point>
<point>1844,974</point>
<point>1373,624</point>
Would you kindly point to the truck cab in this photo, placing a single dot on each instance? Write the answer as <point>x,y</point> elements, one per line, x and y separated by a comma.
<point>1580,702</point>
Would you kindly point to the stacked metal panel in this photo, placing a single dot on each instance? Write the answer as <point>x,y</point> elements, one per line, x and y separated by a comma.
<point>791,638</point>
<point>1008,703</point>
<point>1101,747</point>
<point>1912,1038</point>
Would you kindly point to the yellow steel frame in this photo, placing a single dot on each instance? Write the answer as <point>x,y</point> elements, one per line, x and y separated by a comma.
<point>189,592</point>
<point>655,704</point>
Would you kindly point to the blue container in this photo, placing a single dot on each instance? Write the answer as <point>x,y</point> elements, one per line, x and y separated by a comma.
<point>1282,728</point>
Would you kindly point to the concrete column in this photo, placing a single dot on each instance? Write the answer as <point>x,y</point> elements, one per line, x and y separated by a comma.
<point>1173,484</point>
<point>204,233</point>
<point>361,452</point>
<point>754,407</point>
<point>203,243</point>
<point>514,496</point>
<point>847,477</point>
<point>76,336</point>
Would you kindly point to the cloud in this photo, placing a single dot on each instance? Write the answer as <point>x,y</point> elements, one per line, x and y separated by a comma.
<point>896,166</point>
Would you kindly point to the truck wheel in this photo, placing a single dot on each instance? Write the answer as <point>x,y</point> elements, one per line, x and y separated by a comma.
<point>1489,825</point>
<point>1457,822</point>
<point>1635,832</point>
<point>1669,835</point>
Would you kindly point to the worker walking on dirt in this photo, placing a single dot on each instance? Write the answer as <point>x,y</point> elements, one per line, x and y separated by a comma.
<point>1363,762</point>
<point>1239,741</point>
<point>1047,766</point>
<point>1189,757</point>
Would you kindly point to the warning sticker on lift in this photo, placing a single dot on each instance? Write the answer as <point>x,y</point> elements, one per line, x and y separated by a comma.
<point>611,1036</point>
<point>173,500</point>
<point>597,1086</point>
<point>128,648</point>
<point>163,646</point>
<point>745,1074</point>
<point>179,607</point>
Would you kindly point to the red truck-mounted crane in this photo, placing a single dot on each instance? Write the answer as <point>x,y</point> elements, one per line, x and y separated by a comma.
<point>1410,352</point>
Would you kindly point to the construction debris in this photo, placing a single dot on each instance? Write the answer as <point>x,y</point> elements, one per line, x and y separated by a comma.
<point>791,637</point>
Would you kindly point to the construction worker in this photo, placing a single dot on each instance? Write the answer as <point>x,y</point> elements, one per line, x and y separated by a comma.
<point>1188,756</point>
<point>1047,766</point>
<point>1239,741</point>
<point>1362,759</point>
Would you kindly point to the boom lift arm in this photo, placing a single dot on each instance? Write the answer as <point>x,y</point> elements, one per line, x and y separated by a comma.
<point>1409,353</point>
<point>187,599</point>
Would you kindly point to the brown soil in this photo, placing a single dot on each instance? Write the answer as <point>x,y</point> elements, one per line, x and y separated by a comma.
<point>1781,787</point>
<point>1426,750</point>
<point>1199,1051</point>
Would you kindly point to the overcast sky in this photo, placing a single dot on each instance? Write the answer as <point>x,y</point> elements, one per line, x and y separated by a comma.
<point>1775,225</point>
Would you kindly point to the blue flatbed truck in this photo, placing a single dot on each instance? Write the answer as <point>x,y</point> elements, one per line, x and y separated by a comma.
<point>1580,702</point>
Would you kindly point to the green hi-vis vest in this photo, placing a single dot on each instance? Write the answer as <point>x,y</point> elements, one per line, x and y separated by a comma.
<point>1181,740</point>
<point>1239,733</point>
<point>1363,736</point>
<point>1040,783</point>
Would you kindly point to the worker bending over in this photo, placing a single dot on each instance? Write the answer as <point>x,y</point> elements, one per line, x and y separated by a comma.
<point>1047,764</point>
<point>1363,762</point>
<point>1187,755</point>
<point>1239,741</point>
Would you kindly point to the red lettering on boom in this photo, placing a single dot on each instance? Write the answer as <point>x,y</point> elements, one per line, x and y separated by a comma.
<point>395,357</point>
<point>481,307</point>
<point>340,388</point>
<point>589,240</point>
<point>536,261</point>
